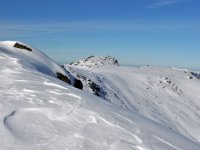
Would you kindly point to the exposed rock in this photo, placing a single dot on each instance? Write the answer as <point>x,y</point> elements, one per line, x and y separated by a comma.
<point>195,75</point>
<point>174,87</point>
<point>96,61</point>
<point>96,89</point>
<point>21,46</point>
<point>63,78</point>
<point>78,84</point>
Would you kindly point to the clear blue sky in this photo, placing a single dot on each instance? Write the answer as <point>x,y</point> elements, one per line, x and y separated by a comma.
<point>138,32</point>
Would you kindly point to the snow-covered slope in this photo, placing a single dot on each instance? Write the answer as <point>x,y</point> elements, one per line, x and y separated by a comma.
<point>169,96</point>
<point>40,112</point>
<point>35,60</point>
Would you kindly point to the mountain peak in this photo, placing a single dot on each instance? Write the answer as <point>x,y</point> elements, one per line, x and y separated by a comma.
<point>96,61</point>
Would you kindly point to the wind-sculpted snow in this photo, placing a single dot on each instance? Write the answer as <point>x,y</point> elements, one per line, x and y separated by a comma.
<point>40,112</point>
<point>35,60</point>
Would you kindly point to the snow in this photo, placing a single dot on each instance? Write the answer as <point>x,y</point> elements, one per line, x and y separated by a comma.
<point>38,111</point>
<point>96,61</point>
<point>166,95</point>
<point>33,60</point>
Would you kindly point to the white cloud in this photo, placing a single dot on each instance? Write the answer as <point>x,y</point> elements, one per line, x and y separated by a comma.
<point>33,29</point>
<point>161,3</point>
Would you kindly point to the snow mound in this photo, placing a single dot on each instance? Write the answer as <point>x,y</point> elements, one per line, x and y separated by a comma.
<point>34,59</point>
<point>96,61</point>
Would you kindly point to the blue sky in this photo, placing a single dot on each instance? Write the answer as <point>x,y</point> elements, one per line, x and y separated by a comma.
<point>137,32</point>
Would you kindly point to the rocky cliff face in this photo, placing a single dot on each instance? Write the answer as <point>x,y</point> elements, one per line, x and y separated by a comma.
<point>96,85</point>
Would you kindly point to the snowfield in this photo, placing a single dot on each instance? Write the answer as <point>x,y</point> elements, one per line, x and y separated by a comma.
<point>168,96</point>
<point>40,112</point>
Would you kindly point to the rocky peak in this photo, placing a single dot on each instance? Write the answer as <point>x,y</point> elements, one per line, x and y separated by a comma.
<point>96,61</point>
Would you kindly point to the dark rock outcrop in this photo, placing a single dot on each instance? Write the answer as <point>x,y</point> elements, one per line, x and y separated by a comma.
<point>63,78</point>
<point>21,46</point>
<point>78,84</point>
<point>195,75</point>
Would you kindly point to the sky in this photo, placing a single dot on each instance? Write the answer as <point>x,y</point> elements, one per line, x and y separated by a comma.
<point>136,32</point>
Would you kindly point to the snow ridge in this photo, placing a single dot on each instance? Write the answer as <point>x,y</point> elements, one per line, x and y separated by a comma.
<point>34,59</point>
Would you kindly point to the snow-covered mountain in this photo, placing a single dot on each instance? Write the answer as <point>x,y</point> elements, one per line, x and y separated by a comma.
<point>96,61</point>
<point>39,111</point>
<point>168,96</point>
